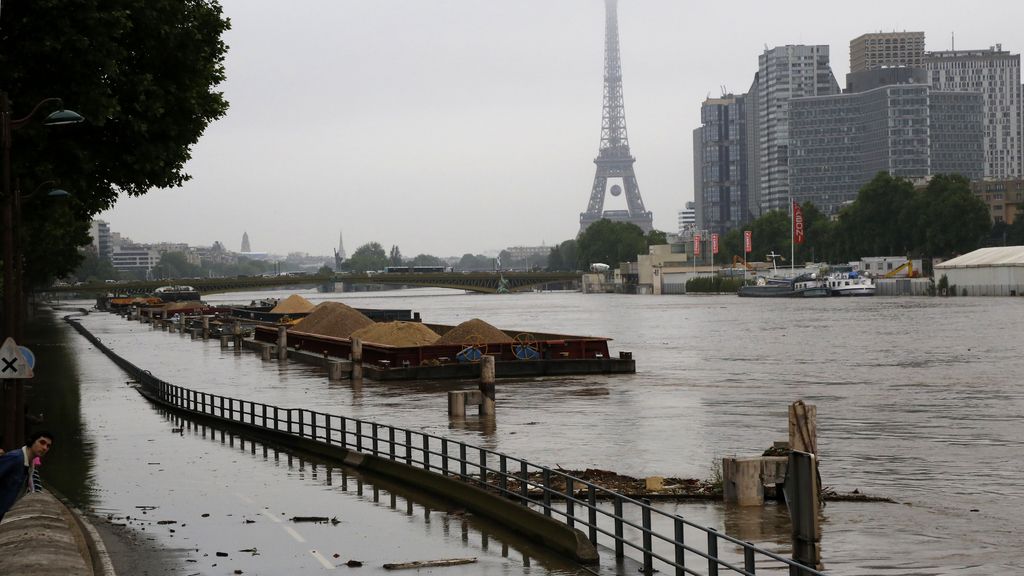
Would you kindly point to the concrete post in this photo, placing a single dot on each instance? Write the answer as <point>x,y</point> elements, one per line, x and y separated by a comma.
<point>335,370</point>
<point>224,342</point>
<point>237,332</point>
<point>357,360</point>
<point>456,404</point>
<point>194,332</point>
<point>487,385</point>
<point>266,351</point>
<point>741,481</point>
<point>282,343</point>
<point>206,327</point>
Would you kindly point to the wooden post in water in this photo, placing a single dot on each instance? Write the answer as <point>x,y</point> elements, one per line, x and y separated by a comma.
<point>282,343</point>
<point>357,360</point>
<point>206,327</point>
<point>803,427</point>
<point>237,331</point>
<point>487,385</point>
<point>225,341</point>
<point>266,351</point>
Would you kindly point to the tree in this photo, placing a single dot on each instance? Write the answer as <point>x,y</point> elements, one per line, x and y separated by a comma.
<point>176,265</point>
<point>880,222</point>
<point>142,72</point>
<point>477,263</point>
<point>952,220</point>
<point>427,260</point>
<point>395,257</point>
<point>368,257</point>
<point>656,238</point>
<point>610,243</point>
<point>93,268</point>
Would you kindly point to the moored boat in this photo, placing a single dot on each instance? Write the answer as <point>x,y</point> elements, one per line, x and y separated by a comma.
<point>850,284</point>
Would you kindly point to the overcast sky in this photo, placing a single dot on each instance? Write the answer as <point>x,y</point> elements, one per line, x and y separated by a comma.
<point>454,126</point>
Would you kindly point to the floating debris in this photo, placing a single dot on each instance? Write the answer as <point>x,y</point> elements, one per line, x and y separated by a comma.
<point>429,563</point>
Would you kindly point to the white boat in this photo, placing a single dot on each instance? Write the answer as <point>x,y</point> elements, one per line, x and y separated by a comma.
<point>849,284</point>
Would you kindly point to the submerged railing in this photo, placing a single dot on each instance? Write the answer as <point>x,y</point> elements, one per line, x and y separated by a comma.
<point>633,528</point>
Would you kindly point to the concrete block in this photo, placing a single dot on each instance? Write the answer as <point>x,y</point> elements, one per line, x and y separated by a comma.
<point>741,481</point>
<point>654,483</point>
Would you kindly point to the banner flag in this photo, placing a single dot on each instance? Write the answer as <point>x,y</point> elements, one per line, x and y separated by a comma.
<point>747,241</point>
<point>798,224</point>
<point>696,245</point>
<point>714,243</point>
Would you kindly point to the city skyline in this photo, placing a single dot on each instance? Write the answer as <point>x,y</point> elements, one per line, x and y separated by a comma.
<point>458,126</point>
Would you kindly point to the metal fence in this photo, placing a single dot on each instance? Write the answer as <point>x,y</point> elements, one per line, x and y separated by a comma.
<point>634,528</point>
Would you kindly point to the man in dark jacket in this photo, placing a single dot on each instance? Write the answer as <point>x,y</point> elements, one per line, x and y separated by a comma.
<point>16,469</point>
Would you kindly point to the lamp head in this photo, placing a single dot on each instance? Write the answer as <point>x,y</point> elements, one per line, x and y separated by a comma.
<point>61,117</point>
<point>58,193</point>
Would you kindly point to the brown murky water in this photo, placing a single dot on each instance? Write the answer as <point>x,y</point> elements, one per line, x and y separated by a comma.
<point>918,400</point>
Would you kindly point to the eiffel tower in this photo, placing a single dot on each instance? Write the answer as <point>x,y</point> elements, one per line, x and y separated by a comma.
<point>614,159</point>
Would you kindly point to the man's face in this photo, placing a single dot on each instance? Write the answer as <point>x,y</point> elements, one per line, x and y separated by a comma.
<point>41,446</point>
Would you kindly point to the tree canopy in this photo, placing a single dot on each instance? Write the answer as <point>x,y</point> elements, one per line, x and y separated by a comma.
<point>610,243</point>
<point>368,257</point>
<point>143,73</point>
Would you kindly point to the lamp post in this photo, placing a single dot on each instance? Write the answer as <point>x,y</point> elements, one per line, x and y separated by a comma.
<point>11,205</point>
<point>13,389</point>
<point>19,257</point>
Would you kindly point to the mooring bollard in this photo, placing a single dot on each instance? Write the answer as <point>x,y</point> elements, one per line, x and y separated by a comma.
<point>266,351</point>
<point>282,343</point>
<point>487,385</point>
<point>206,327</point>
<point>224,342</point>
<point>456,404</point>
<point>357,360</point>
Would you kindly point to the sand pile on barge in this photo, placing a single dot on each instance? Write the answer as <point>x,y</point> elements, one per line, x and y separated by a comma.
<point>293,304</point>
<point>333,319</point>
<point>397,334</point>
<point>474,331</point>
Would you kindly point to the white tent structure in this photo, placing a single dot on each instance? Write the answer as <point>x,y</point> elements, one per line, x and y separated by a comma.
<point>995,271</point>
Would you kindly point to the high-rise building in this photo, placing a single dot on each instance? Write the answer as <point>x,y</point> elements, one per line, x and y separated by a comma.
<point>245,243</point>
<point>784,73</point>
<point>995,73</point>
<point>886,49</point>
<point>721,192</point>
<point>896,124</point>
<point>688,218</point>
<point>99,230</point>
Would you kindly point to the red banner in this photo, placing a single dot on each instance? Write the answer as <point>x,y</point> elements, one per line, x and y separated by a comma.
<point>798,224</point>
<point>747,241</point>
<point>714,243</point>
<point>696,244</point>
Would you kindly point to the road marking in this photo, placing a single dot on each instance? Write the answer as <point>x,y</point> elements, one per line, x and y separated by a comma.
<point>271,516</point>
<point>291,531</point>
<point>243,498</point>
<point>327,563</point>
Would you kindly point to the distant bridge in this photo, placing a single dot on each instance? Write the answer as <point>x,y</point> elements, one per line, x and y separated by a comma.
<point>486,282</point>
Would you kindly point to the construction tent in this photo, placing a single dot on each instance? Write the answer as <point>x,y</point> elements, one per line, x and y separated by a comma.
<point>995,271</point>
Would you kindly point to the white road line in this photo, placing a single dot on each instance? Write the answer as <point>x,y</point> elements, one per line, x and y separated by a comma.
<point>243,498</point>
<point>327,563</point>
<point>291,531</point>
<point>271,516</point>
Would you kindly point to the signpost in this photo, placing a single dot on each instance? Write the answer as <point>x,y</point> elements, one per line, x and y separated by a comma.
<point>16,364</point>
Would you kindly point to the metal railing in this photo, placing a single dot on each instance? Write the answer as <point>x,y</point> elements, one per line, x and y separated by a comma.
<point>659,540</point>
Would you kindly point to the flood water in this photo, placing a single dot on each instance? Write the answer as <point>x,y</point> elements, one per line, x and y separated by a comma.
<point>919,400</point>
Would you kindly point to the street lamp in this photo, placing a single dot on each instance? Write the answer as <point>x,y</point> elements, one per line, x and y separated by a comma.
<point>11,204</point>
<point>14,390</point>
<point>18,285</point>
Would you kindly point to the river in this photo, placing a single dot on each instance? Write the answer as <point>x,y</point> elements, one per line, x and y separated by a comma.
<point>918,400</point>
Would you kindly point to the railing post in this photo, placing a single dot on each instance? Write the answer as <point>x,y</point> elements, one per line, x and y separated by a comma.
<point>619,552</point>
<point>712,552</point>
<point>426,453</point>
<point>547,491</point>
<point>408,447</point>
<point>524,483</point>
<point>391,442</point>
<point>503,476</point>
<point>344,432</point>
<point>570,496</point>
<point>444,456</point>
<point>645,516</point>
<point>483,466</point>
<point>462,461</point>
<point>373,428</point>
<point>748,559</point>
<point>592,513</point>
<point>359,435</point>
<point>679,544</point>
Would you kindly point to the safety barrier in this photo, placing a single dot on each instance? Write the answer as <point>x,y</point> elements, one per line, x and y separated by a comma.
<point>660,541</point>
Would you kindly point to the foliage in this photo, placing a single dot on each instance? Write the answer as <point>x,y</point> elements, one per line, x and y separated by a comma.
<point>713,284</point>
<point>368,257</point>
<point>610,243</point>
<point>656,238</point>
<point>142,73</point>
<point>426,260</point>
<point>395,257</point>
<point>952,220</point>
<point>477,263</point>
<point>563,257</point>
<point>176,265</point>
<point>93,268</point>
<point>880,222</point>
